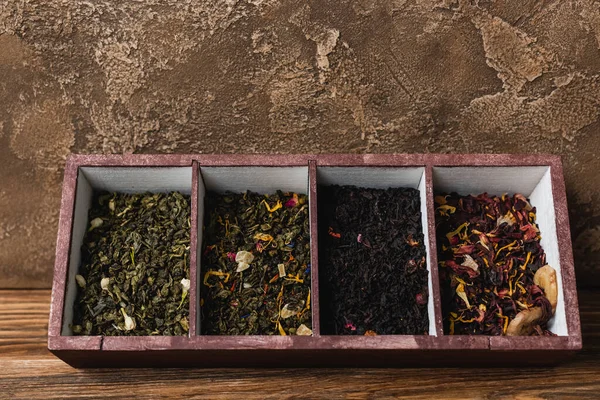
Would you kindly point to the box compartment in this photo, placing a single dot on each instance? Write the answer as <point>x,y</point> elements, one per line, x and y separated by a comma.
<point>384,178</point>
<point>239,179</point>
<point>113,179</point>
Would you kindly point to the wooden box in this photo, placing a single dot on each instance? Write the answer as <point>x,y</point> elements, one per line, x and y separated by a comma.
<point>538,177</point>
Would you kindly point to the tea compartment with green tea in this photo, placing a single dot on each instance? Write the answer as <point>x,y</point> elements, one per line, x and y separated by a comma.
<point>498,258</point>
<point>255,275</point>
<point>129,273</point>
<point>373,252</point>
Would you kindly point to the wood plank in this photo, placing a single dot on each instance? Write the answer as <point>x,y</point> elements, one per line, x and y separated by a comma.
<point>27,367</point>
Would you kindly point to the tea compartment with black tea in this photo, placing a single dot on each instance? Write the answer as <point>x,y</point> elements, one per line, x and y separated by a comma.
<point>374,252</point>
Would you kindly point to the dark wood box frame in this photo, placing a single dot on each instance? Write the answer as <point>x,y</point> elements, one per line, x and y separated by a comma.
<point>318,350</point>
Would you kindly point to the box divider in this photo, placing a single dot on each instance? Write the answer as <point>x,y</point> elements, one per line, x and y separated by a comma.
<point>433,261</point>
<point>195,225</point>
<point>314,246</point>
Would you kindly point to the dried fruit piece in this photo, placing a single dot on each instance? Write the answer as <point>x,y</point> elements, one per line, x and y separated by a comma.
<point>545,278</point>
<point>303,330</point>
<point>244,256</point>
<point>242,266</point>
<point>289,311</point>
<point>281,269</point>
<point>525,322</point>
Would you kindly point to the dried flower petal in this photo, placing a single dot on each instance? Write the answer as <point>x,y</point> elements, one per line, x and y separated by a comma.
<point>412,242</point>
<point>185,283</point>
<point>289,311</point>
<point>274,208</point>
<point>96,223</point>
<point>129,322</point>
<point>281,330</point>
<point>104,283</point>
<point>292,202</point>
<point>460,291</point>
<point>445,210</point>
<point>263,236</point>
<point>508,218</point>
<point>350,325</point>
<point>441,200</point>
<point>470,262</point>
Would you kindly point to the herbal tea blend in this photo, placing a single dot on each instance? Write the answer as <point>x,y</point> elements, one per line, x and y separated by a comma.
<point>256,265</point>
<point>493,271</point>
<point>372,261</point>
<point>134,274</point>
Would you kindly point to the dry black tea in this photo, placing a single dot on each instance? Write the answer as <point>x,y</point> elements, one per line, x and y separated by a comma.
<point>134,274</point>
<point>372,261</point>
<point>493,271</point>
<point>256,265</point>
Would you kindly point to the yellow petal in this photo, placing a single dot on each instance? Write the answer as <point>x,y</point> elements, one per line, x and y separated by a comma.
<point>450,235</point>
<point>274,208</point>
<point>263,236</point>
<point>460,291</point>
<point>446,210</point>
<point>281,330</point>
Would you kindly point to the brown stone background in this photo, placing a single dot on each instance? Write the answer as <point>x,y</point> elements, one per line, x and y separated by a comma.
<point>281,76</point>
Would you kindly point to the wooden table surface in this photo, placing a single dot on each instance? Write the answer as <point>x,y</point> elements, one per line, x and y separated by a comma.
<point>28,370</point>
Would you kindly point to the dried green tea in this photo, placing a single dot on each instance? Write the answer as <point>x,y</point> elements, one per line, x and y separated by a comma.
<point>134,274</point>
<point>372,262</point>
<point>493,271</point>
<point>256,265</point>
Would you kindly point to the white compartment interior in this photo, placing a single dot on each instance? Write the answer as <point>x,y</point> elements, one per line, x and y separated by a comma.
<point>384,178</point>
<point>534,183</point>
<point>263,180</point>
<point>113,179</point>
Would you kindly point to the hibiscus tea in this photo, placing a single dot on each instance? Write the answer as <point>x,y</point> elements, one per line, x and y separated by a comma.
<point>494,276</point>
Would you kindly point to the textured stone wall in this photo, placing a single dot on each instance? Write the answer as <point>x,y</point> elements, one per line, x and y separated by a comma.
<point>262,76</point>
